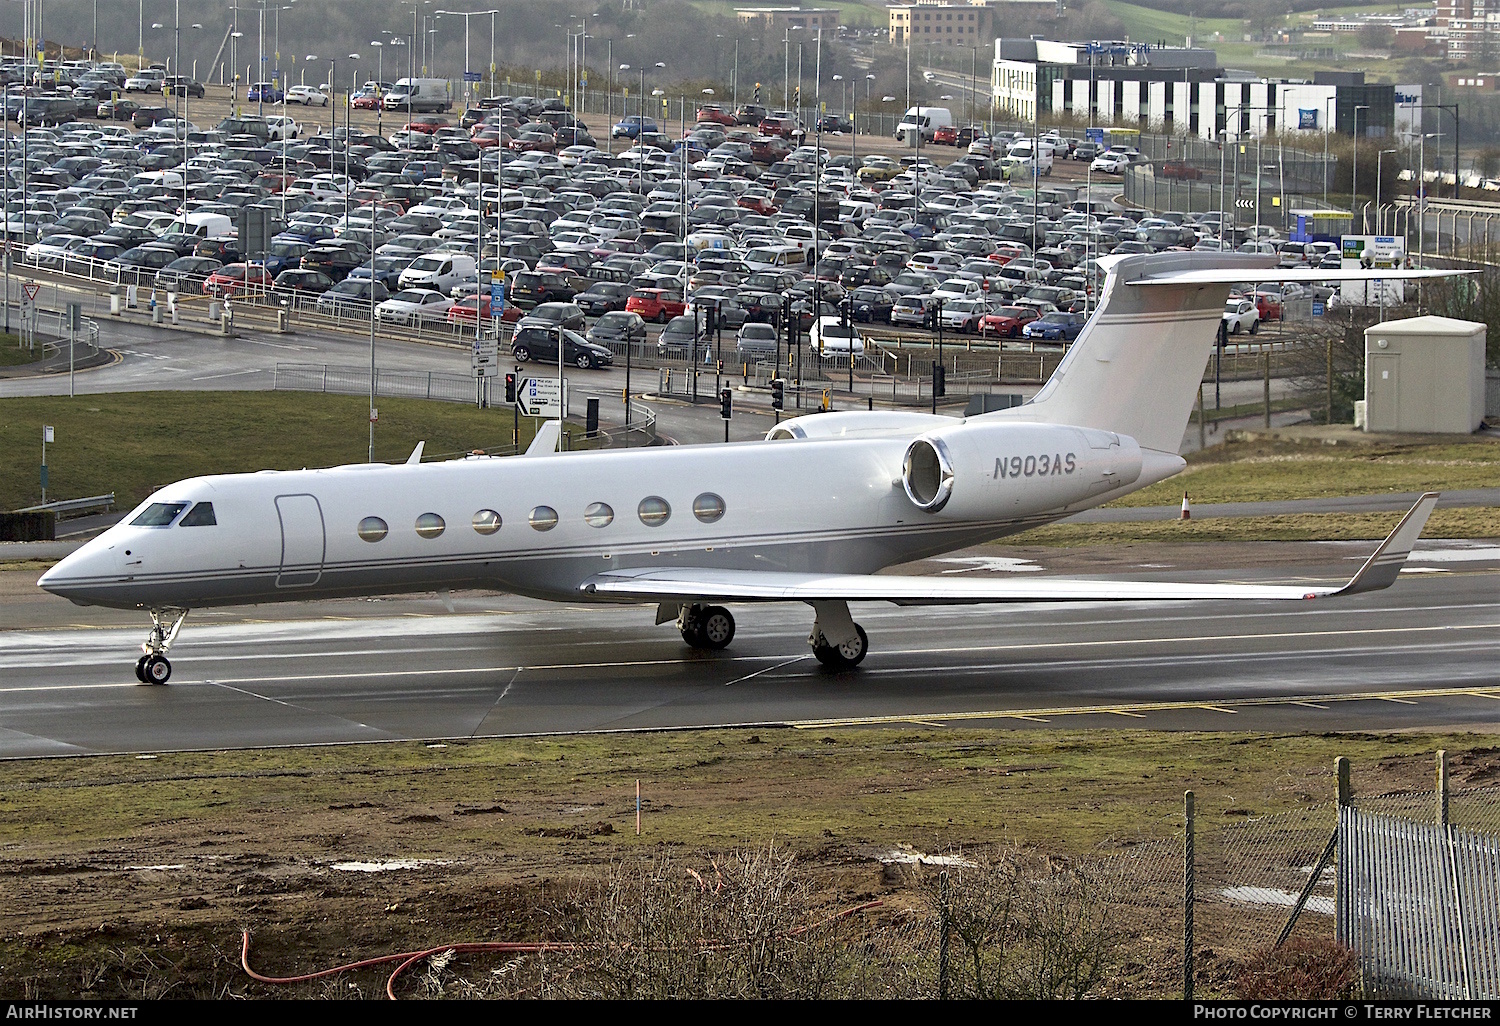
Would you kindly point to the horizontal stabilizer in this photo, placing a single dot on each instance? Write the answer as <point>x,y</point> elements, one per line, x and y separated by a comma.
<point>702,584</point>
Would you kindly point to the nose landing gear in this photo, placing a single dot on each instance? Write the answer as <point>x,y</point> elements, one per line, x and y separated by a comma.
<point>153,667</point>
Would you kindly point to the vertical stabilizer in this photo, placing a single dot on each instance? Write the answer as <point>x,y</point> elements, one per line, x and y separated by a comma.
<point>1136,366</point>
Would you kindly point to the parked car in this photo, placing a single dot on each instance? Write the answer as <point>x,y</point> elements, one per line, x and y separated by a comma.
<point>618,328</point>
<point>1058,326</point>
<point>234,279</point>
<point>656,304</point>
<point>538,342</point>
<point>307,95</point>
<point>1241,315</point>
<point>1007,321</point>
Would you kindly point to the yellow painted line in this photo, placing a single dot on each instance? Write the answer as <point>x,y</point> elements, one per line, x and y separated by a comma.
<point>1122,712</point>
<point>1218,708</point>
<point>1312,705</point>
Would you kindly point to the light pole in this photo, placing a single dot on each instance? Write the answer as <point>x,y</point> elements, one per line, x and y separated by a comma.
<point>466,15</point>
<point>380,101</point>
<point>1378,218</point>
<point>1354,179</point>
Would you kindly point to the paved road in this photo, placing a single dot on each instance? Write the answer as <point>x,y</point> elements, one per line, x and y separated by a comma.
<point>1423,654</point>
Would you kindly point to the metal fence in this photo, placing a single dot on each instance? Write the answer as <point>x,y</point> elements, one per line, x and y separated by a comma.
<point>1196,188</point>
<point>1420,903</point>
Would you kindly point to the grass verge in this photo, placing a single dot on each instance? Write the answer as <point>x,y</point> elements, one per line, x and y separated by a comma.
<point>1268,470</point>
<point>1481,522</point>
<point>131,443</point>
<point>13,355</point>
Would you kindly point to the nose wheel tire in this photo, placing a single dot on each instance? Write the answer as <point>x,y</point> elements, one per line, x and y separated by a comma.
<point>153,669</point>
<point>842,657</point>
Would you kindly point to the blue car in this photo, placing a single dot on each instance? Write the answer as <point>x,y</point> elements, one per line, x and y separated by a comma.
<point>1058,326</point>
<point>264,92</point>
<point>631,127</point>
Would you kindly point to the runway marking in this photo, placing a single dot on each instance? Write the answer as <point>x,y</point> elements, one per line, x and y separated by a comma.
<point>293,705</point>
<point>768,669</point>
<point>1140,709</point>
<point>231,374</point>
<point>1219,709</point>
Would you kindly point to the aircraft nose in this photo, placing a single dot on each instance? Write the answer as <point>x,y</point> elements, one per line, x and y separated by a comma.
<point>81,572</point>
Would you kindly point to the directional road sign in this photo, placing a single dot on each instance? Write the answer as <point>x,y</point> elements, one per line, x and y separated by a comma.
<point>485,356</point>
<point>540,397</point>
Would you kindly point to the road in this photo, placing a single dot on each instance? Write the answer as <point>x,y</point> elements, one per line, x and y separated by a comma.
<point>1422,654</point>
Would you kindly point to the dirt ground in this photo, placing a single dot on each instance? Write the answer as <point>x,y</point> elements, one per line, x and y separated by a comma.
<point>134,877</point>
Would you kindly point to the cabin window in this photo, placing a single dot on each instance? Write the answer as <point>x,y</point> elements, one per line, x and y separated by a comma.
<point>159,514</point>
<point>430,525</point>
<point>600,514</point>
<point>708,507</point>
<point>543,518</point>
<point>654,511</point>
<point>486,521</point>
<point>373,529</point>
<point>201,515</point>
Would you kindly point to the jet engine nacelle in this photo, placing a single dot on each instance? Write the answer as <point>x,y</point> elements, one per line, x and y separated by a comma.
<point>976,471</point>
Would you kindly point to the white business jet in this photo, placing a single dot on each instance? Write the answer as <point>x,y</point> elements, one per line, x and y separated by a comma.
<point>807,515</point>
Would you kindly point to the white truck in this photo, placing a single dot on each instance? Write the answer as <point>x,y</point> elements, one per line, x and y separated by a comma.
<point>420,96</point>
<point>927,119</point>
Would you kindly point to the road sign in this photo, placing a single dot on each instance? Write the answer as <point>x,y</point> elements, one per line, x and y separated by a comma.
<point>485,356</point>
<point>540,397</point>
<point>31,288</point>
<point>1245,204</point>
<point>473,76</point>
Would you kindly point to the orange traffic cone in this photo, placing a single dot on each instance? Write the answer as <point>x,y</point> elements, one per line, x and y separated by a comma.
<point>1187,514</point>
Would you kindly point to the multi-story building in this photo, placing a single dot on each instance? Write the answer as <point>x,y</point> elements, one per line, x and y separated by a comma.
<point>957,22</point>
<point>782,19</point>
<point>1471,29</point>
<point>1179,91</point>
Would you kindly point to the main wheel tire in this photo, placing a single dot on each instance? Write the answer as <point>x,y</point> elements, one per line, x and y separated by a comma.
<point>140,668</point>
<point>157,670</point>
<point>716,627</point>
<point>845,656</point>
<point>692,632</point>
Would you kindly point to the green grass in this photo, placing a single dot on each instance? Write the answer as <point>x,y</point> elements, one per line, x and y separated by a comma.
<point>132,443</point>
<point>1483,522</point>
<point>13,355</point>
<point>1271,470</point>
<point>1067,791</point>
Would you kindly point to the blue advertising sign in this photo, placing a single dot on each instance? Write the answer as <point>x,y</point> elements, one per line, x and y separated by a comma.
<point>1307,118</point>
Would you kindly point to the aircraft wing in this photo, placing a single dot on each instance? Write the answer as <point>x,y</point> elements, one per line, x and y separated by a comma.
<point>699,584</point>
<point>1306,275</point>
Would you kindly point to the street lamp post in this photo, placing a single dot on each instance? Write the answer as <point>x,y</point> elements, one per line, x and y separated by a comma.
<point>1378,218</point>
<point>380,100</point>
<point>1354,176</point>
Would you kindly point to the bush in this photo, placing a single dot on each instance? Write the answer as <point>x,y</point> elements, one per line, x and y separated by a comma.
<point>1302,969</point>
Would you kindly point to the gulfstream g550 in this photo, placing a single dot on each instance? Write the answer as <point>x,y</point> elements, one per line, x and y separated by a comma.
<point>807,515</point>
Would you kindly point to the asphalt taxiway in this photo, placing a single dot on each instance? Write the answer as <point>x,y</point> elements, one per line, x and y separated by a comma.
<point>1425,653</point>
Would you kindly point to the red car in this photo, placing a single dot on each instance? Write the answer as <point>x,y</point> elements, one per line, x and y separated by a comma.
<point>366,101</point>
<point>713,114</point>
<point>757,204</point>
<point>534,141</point>
<point>656,304</point>
<point>1268,305</point>
<point>1005,254</point>
<point>946,136</point>
<point>785,128</point>
<point>1007,321</point>
<point>427,124</point>
<point>462,312</point>
<point>234,279</point>
<point>768,149</point>
<point>1180,169</point>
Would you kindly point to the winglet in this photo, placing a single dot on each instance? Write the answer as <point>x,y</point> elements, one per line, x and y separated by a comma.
<point>547,437</point>
<point>416,454</point>
<point>1384,565</point>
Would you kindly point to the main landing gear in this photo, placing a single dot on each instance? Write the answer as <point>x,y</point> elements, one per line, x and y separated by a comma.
<point>153,668</point>
<point>710,627</point>
<point>838,643</point>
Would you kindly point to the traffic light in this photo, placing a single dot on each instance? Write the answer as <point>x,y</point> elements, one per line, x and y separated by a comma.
<point>510,388</point>
<point>939,380</point>
<point>725,397</point>
<point>778,394</point>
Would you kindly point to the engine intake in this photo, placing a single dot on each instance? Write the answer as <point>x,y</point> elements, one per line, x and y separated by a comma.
<point>927,474</point>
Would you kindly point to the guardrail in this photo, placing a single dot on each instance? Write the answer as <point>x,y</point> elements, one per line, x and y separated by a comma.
<point>105,502</point>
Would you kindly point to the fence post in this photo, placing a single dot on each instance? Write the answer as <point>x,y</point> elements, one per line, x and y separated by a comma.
<point>1268,389</point>
<point>943,929</point>
<point>1442,788</point>
<point>1187,898</point>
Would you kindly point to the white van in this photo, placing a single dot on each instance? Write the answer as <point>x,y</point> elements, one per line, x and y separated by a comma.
<point>441,271</point>
<point>775,258</point>
<point>929,119</point>
<point>198,225</point>
<point>420,96</point>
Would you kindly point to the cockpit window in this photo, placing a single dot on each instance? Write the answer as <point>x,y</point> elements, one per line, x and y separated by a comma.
<point>201,515</point>
<point>159,514</point>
